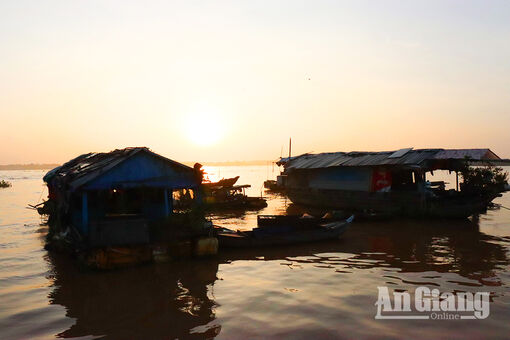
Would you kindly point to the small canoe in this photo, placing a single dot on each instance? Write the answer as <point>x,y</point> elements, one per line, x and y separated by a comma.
<point>262,237</point>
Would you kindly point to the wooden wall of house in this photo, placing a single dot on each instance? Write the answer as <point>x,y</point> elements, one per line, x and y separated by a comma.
<point>148,170</point>
<point>354,179</point>
<point>151,205</point>
<point>146,175</point>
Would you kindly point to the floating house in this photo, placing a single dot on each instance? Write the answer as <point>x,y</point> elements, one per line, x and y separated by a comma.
<point>392,182</point>
<point>121,198</point>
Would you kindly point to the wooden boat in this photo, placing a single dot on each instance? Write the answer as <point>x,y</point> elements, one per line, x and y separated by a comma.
<point>275,234</point>
<point>233,197</point>
<point>222,183</point>
<point>274,186</point>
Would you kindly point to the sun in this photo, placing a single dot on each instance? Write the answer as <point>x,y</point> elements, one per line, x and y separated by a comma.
<point>205,129</point>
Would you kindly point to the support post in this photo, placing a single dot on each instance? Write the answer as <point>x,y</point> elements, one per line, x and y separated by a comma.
<point>167,205</point>
<point>457,180</point>
<point>84,213</point>
<point>199,196</point>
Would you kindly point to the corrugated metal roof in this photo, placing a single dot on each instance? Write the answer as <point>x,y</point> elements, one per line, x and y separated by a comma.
<point>474,154</point>
<point>411,158</point>
<point>87,167</point>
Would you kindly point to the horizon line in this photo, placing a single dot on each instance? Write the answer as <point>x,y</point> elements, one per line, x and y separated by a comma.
<point>45,166</point>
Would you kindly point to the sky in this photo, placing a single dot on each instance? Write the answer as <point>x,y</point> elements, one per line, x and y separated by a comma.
<point>234,80</point>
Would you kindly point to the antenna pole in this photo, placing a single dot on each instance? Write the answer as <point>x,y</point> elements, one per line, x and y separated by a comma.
<point>290,147</point>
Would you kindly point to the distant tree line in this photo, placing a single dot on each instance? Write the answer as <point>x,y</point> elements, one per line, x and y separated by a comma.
<point>30,166</point>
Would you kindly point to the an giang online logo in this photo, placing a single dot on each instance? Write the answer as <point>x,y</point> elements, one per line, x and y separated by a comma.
<point>432,304</point>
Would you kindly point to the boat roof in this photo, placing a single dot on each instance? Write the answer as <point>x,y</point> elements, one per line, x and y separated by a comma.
<point>404,157</point>
<point>229,188</point>
<point>238,187</point>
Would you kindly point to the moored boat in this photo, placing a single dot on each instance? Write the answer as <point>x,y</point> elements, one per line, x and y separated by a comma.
<point>273,234</point>
<point>224,182</point>
<point>274,186</point>
<point>397,183</point>
<point>231,197</point>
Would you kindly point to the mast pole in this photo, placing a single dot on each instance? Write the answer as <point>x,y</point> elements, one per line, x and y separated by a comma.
<point>290,147</point>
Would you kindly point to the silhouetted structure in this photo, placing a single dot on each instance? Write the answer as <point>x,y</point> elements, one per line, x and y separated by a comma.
<point>392,182</point>
<point>128,197</point>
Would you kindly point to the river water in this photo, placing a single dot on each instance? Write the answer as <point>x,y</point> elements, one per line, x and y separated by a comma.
<point>315,291</point>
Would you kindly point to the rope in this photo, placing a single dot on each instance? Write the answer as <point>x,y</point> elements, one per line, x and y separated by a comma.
<point>39,200</point>
<point>501,206</point>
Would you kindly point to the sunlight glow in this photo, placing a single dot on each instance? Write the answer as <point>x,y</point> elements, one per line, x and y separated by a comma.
<point>204,128</point>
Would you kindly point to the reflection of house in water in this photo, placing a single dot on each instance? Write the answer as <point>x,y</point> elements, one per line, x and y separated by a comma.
<point>433,245</point>
<point>411,246</point>
<point>388,182</point>
<point>145,302</point>
<point>176,300</point>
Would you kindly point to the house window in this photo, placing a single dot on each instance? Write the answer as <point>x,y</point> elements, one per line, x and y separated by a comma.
<point>183,199</point>
<point>123,202</point>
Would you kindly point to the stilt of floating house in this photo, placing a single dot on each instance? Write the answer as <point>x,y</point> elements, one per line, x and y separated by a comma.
<point>84,211</point>
<point>167,204</point>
